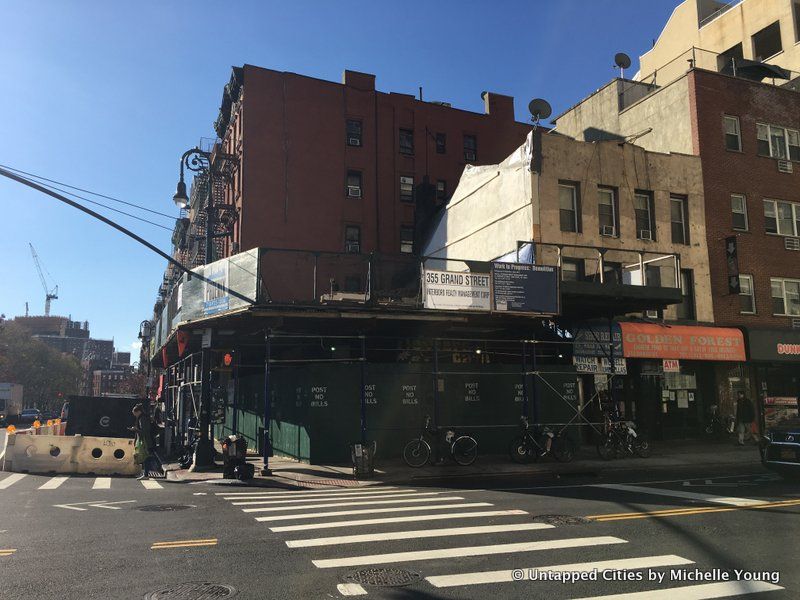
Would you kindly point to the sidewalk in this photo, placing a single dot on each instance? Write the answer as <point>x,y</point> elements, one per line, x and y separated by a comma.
<point>289,473</point>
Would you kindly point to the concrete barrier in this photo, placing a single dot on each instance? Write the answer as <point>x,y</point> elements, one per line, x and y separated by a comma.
<point>69,454</point>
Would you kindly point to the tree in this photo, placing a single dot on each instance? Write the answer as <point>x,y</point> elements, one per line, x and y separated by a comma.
<point>47,375</point>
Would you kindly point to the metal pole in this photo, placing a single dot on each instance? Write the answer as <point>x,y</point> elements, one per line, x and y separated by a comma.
<point>204,454</point>
<point>363,391</point>
<point>236,364</point>
<point>267,442</point>
<point>534,407</point>
<point>611,363</point>
<point>435,382</point>
<point>524,380</point>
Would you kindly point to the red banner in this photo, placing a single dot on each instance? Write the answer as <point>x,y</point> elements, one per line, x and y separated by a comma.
<point>647,340</point>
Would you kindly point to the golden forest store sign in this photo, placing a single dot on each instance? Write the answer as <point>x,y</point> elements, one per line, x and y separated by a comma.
<point>647,340</point>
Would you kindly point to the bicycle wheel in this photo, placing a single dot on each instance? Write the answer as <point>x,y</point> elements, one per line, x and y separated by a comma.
<point>563,448</point>
<point>607,448</point>
<point>464,450</point>
<point>417,453</point>
<point>641,447</point>
<point>521,450</point>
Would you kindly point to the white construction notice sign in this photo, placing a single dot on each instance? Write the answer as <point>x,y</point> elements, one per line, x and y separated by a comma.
<point>451,290</point>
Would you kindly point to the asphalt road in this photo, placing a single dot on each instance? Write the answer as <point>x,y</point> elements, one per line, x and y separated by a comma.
<point>88,538</point>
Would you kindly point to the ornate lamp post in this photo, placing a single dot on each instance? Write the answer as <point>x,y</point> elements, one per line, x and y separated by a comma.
<point>199,161</point>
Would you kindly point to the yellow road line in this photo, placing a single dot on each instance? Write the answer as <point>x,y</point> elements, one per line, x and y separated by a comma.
<point>8,552</point>
<point>690,511</point>
<point>184,544</point>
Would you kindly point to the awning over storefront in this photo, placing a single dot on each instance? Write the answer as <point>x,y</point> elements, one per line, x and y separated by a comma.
<point>650,340</point>
<point>774,345</point>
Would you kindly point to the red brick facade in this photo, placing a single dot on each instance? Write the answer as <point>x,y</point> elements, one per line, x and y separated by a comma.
<point>727,172</point>
<point>289,132</point>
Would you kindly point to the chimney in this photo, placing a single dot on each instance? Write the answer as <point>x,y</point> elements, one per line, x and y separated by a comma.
<point>498,105</point>
<point>359,81</point>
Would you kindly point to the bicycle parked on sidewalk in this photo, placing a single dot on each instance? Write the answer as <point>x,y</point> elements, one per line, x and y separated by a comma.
<point>463,449</point>
<point>621,439</point>
<point>535,442</point>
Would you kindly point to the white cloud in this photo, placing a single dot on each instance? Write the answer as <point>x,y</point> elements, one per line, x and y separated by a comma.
<point>136,345</point>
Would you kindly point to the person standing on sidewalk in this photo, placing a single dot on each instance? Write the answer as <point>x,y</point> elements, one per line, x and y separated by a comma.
<point>745,415</point>
<point>144,438</point>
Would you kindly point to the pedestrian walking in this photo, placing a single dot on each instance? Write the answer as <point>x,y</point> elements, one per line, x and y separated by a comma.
<point>144,438</point>
<point>745,415</point>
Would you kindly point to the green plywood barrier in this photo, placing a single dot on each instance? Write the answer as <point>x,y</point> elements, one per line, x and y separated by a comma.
<point>316,410</point>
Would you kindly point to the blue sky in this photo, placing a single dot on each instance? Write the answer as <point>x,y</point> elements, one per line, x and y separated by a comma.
<point>107,95</point>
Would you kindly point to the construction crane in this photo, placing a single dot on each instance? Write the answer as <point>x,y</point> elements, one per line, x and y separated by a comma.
<point>48,294</point>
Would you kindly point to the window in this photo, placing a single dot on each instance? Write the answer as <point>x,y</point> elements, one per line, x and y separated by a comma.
<point>354,184</point>
<point>643,209</point>
<point>785,297</point>
<point>607,211</point>
<point>353,132</point>
<point>796,10</point>
<point>441,143</point>
<point>777,142</point>
<point>767,42</point>
<point>407,240</point>
<point>725,59</point>
<point>678,220</point>
<point>612,272</point>
<point>739,212</point>
<point>733,138</point>
<point>685,310</point>
<point>571,269</point>
<point>568,207</point>
<point>470,148</point>
<point>441,190</point>
<point>747,298</point>
<point>406,141</point>
<point>652,275</point>
<point>352,239</point>
<point>406,189</point>
<point>782,218</point>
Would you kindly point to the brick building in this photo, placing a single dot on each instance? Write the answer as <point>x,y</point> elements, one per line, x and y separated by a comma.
<point>343,167</point>
<point>747,134</point>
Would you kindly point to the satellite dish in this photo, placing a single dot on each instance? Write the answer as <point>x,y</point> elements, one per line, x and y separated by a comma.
<point>539,109</point>
<point>622,60</point>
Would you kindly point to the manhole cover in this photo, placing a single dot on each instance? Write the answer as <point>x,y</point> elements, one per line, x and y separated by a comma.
<point>203,590</point>
<point>165,508</point>
<point>560,520</point>
<point>382,577</point>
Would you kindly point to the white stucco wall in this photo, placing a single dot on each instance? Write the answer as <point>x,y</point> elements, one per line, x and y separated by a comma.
<point>489,211</point>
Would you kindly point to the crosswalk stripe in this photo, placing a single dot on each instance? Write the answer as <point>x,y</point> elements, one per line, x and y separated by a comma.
<point>369,511</point>
<point>365,494</point>
<point>637,489</point>
<point>393,557</point>
<point>11,480</point>
<point>696,592</point>
<point>360,503</point>
<point>351,589</point>
<point>53,483</point>
<point>102,483</point>
<point>381,521</point>
<point>297,501</point>
<point>417,534</point>
<point>150,484</point>
<point>481,577</point>
<point>375,490</point>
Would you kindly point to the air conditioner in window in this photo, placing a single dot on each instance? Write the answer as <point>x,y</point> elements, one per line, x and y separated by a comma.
<point>354,141</point>
<point>785,166</point>
<point>645,234</point>
<point>354,191</point>
<point>791,243</point>
<point>608,230</point>
<point>352,247</point>
<point>469,155</point>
